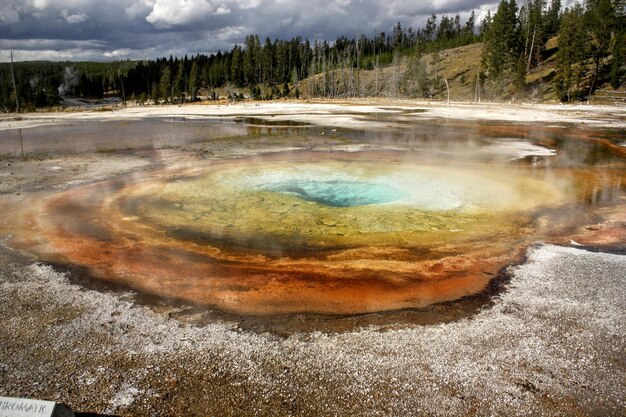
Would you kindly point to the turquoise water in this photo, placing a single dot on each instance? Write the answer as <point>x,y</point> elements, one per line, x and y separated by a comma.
<point>341,193</point>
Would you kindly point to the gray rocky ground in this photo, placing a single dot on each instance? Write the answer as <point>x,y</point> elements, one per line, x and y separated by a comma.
<point>553,344</point>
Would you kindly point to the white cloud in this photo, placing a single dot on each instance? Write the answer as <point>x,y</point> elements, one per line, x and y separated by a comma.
<point>409,8</point>
<point>230,34</point>
<point>119,53</point>
<point>76,54</point>
<point>139,8</point>
<point>221,10</point>
<point>37,44</point>
<point>343,3</point>
<point>72,19</point>
<point>153,28</point>
<point>167,13</point>
<point>247,4</point>
<point>40,4</point>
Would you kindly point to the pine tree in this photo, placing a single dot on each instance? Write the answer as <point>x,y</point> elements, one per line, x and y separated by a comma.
<point>179,81</point>
<point>618,70</point>
<point>165,86</point>
<point>570,55</point>
<point>446,28</point>
<point>618,49</point>
<point>268,58</point>
<point>552,19</point>
<point>194,79</point>
<point>468,29</point>
<point>237,67</point>
<point>249,64</point>
<point>502,53</point>
<point>600,21</point>
<point>533,31</point>
<point>398,37</point>
<point>457,26</point>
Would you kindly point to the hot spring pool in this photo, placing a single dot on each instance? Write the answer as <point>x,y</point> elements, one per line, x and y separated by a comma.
<point>329,232</point>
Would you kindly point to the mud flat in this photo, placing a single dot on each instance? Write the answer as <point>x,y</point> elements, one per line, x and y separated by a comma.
<point>550,341</point>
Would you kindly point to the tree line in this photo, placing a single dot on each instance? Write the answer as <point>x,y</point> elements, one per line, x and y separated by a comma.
<point>591,45</point>
<point>589,36</point>
<point>591,48</point>
<point>267,69</point>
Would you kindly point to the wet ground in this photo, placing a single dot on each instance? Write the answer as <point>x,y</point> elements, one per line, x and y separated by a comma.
<point>559,184</point>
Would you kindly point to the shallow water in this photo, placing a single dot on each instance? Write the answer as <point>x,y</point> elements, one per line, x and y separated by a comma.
<point>91,136</point>
<point>336,193</point>
<point>348,222</point>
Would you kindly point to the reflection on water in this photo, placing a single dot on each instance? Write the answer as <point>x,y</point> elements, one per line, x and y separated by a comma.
<point>577,146</point>
<point>114,136</point>
<point>258,121</point>
<point>356,221</point>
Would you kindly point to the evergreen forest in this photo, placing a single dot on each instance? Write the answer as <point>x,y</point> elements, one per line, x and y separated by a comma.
<point>584,44</point>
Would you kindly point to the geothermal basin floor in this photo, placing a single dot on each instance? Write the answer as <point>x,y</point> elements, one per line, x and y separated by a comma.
<point>552,342</point>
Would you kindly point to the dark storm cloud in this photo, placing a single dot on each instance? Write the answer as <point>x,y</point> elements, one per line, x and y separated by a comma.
<point>119,29</point>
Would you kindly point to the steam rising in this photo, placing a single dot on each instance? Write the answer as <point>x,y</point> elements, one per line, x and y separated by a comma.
<point>34,82</point>
<point>70,80</point>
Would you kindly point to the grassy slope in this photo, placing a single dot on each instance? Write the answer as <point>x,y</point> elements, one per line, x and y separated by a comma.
<point>460,66</point>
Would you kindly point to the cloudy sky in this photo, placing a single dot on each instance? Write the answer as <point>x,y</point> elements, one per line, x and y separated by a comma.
<point>121,29</point>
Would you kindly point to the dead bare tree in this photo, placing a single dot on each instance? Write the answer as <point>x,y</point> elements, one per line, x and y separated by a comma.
<point>376,90</point>
<point>358,66</point>
<point>17,102</point>
<point>477,89</point>
<point>532,45</point>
